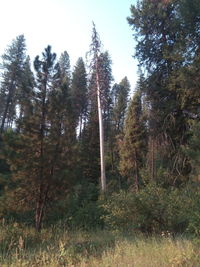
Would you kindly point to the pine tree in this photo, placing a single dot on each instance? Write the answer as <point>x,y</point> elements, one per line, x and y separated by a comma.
<point>90,152</point>
<point>120,95</point>
<point>26,92</point>
<point>12,79</point>
<point>79,94</point>
<point>105,80</point>
<point>70,119</point>
<point>160,51</point>
<point>64,63</point>
<point>97,84</point>
<point>38,155</point>
<point>133,146</point>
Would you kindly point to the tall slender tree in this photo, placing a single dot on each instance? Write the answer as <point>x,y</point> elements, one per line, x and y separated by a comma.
<point>79,94</point>
<point>95,65</point>
<point>134,144</point>
<point>120,96</point>
<point>12,78</point>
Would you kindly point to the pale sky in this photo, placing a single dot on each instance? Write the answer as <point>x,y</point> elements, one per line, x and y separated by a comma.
<point>67,25</point>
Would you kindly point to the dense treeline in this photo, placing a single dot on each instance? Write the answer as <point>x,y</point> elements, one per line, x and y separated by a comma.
<point>49,123</point>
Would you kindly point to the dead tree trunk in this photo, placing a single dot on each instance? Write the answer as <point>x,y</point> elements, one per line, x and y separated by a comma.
<point>101,131</point>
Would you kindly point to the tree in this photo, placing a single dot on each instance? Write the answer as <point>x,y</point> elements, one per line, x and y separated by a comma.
<point>120,94</point>
<point>12,79</point>
<point>64,63</point>
<point>161,53</point>
<point>134,144</point>
<point>26,92</point>
<point>70,118</point>
<point>105,80</point>
<point>79,93</point>
<point>95,65</point>
<point>38,154</point>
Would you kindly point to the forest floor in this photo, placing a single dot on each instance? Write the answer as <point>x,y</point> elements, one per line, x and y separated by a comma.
<point>56,246</point>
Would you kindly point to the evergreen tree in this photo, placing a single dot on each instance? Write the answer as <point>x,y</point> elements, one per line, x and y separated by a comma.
<point>79,94</point>
<point>97,81</point>
<point>12,79</point>
<point>38,155</point>
<point>64,63</point>
<point>120,99</point>
<point>105,80</point>
<point>120,94</point>
<point>90,152</point>
<point>160,50</point>
<point>133,146</point>
<point>70,123</point>
<point>26,91</point>
<point>193,149</point>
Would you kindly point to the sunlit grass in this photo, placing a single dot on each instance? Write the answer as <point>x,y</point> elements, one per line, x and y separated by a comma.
<point>56,246</point>
<point>148,253</point>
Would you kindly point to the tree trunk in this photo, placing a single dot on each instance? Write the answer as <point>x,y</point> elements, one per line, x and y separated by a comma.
<point>136,182</point>
<point>9,98</point>
<point>153,167</point>
<point>80,126</point>
<point>40,204</point>
<point>39,215</point>
<point>101,132</point>
<point>39,210</point>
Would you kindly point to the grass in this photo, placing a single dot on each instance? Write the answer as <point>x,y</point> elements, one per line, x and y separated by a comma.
<point>56,246</point>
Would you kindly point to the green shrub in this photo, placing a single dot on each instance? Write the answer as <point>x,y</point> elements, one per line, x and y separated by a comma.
<point>194,212</point>
<point>151,210</point>
<point>80,210</point>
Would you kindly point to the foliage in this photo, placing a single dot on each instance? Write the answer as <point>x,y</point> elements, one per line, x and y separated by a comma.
<point>151,210</point>
<point>133,146</point>
<point>120,98</point>
<point>14,65</point>
<point>79,94</point>
<point>168,53</point>
<point>81,209</point>
<point>50,145</point>
<point>193,149</point>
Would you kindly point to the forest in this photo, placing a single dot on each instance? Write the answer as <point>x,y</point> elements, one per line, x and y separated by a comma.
<point>79,152</point>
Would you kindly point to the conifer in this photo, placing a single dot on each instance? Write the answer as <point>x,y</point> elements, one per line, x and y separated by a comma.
<point>133,145</point>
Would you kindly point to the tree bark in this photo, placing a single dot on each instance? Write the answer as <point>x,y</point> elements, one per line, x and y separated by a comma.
<point>101,132</point>
<point>39,209</point>
<point>9,98</point>
<point>136,182</point>
<point>153,167</point>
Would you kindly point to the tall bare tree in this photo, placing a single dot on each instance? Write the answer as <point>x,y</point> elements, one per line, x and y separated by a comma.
<point>95,65</point>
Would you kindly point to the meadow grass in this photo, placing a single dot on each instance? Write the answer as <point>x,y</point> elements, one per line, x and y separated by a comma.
<point>56,246</point>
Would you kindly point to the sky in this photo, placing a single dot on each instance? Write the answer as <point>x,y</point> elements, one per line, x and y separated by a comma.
<point>67,25</point>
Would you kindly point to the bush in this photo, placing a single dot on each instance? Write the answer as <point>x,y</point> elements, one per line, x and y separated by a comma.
<point>151,210</point>
<point>80,210</point>
<point>194,211</point>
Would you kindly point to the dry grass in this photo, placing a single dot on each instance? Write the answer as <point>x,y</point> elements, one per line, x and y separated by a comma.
<point>20,246</point>
<point>148,253</point>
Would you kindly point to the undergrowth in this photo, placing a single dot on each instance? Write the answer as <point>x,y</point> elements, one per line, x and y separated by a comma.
<point>56,246</point>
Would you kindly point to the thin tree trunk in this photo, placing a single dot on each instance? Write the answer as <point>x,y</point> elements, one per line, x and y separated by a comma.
<point>153,169</point>
<point>39,210</point>
<point>81,126</point>
<point>39,215</point>
<point>6,107</point>
<point>40,204</point>
<point>101,133</point>
<point>136,182</point>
